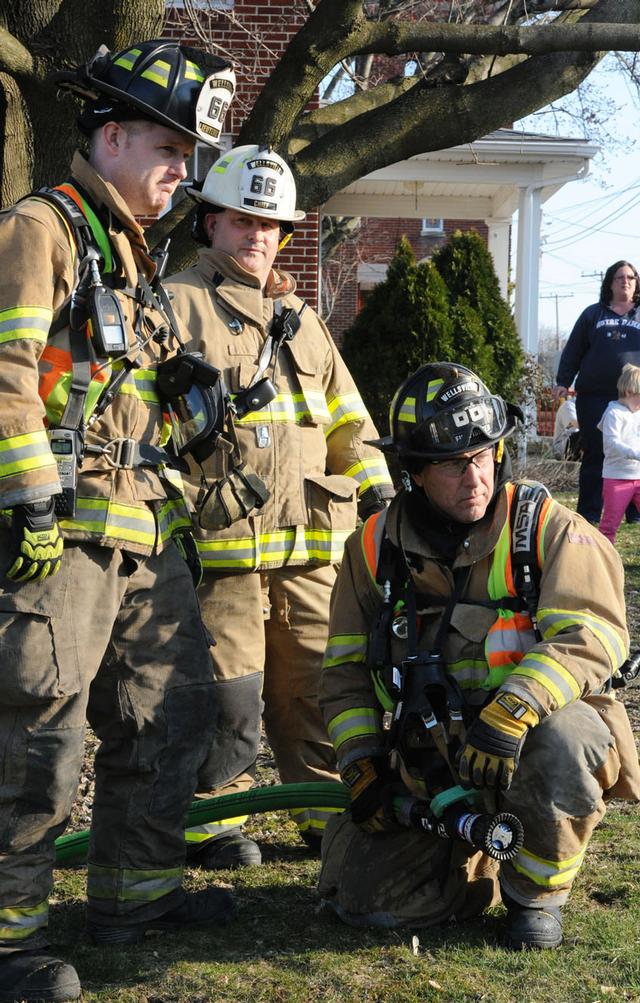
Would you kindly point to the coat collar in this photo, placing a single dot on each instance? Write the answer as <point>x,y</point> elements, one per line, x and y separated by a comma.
<point>240,290</point>
<point>479,543</point>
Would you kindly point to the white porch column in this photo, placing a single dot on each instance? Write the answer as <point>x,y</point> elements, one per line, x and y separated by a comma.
<point>499,231</point>
<point>528,267</point>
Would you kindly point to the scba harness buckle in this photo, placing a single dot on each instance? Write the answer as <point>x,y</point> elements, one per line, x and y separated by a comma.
<point>121,454</point>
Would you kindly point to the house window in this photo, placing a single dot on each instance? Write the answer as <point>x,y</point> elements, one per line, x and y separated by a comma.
<point>431,225</point>
<point>202,158</point>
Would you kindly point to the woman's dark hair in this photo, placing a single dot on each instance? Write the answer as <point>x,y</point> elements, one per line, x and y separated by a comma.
<point>606,289</point>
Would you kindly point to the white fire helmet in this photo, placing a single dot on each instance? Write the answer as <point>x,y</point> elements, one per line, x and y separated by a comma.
<point>253,180</point>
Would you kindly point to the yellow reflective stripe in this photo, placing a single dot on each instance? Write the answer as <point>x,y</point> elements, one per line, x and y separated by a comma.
<point>432,388</point>
<point>497,582</point>
<point>407,411</point>
<point>209,830</point>
<point>29,322</point>
<point>548,873</point>
<point>553,621</point>
<point>139,383</point>
<point>345,408</point>
<point>345,648</point>
<point>296,544</point>
<point>29,451</point>
<point>313,819</point>
<point>127,59</point>
<point>471,673</point>
<point>283,408</point>
<point>113,520</point>
<point>128,885</point>
<point>18,922</point>
<point>158,72</point>
<point>372,470</point>
<point>171,516</point>
<point>357,722</point>
<point>551,675</point>
<point>192,72</point>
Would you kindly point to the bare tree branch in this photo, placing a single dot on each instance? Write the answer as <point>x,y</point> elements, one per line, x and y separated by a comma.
<point>14,57</point>
<point>396,38</point>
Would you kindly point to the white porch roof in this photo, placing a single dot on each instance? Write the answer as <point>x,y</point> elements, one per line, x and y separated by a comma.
<point>489,179</point>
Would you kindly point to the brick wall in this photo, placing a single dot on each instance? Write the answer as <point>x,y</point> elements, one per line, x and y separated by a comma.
<point>376,243</point>
<point>255,35</point>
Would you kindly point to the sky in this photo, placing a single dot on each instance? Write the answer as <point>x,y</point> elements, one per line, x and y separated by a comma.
<point>590,224</point>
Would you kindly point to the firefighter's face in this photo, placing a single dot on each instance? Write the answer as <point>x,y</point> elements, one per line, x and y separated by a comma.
<point>146,162</point>
<point>251,240</point>
<point>462,487</point>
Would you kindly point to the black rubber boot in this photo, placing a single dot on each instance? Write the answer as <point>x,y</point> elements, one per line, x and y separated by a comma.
<point>36,977</point>
<point>532,929</point>
<point>211,906</point>
<point>227,852</point>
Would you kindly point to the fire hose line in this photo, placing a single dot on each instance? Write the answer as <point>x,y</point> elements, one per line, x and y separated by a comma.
<point>73,848</point>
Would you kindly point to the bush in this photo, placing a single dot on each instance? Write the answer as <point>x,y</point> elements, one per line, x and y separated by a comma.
<point>445,310</point>
<point>403,323</point>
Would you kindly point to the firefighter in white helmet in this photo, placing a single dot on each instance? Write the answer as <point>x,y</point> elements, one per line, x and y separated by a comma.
<point>268,577</point>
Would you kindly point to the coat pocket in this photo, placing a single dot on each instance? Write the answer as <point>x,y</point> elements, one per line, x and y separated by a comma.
<point>38,651</point>
<point>331,503</point>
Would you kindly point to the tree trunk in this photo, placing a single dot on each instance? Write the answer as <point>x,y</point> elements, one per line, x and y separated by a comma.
<point>39,128</point>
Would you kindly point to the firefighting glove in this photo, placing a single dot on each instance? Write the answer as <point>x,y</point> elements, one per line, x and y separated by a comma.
<point>370,502</point>
<point>494,740</point>
<point>185,541</point>
<point>367,796</point>
<point>37,542</point>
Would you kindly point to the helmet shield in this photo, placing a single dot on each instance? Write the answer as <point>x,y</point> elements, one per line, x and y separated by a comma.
<point>444,410</point>
<point>474,422</point>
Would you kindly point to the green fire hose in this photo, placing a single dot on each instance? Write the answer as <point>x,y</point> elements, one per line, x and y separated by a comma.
<point>73,848</point>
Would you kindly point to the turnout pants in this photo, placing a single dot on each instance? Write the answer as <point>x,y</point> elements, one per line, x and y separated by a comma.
<point>402,878</point>
<point>271,632</point>
<point>119,639</point>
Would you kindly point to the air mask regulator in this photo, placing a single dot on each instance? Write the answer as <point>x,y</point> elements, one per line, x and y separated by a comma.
<point>95,304</point>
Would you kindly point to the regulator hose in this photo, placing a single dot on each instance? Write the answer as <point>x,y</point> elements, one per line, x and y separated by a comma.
<point>73,848</point>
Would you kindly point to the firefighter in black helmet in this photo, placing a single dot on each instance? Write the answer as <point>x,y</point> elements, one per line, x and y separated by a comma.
<point>475,625</point>
<point>98,612</point>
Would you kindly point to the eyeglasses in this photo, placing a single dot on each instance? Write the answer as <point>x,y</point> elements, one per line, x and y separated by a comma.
<point>624,278</point>
<point>483,461</point>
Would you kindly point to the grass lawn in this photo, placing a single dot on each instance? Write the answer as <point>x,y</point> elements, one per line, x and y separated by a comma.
<point>281,948</point>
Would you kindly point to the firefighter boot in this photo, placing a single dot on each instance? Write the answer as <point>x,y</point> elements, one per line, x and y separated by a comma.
<point>210,906</point>
<point>529,928</point>
<point>36,977</point>
<point>229,851</point>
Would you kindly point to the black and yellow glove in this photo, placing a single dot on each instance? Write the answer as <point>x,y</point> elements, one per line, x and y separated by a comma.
<point>185,541</point>
<point>367,802</point>
<point>494,740</point>
<point>37,542</point>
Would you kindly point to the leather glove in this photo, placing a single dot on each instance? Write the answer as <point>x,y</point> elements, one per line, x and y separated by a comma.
<point>494,740</point>
<point>367,807</point>
<point>37,542</point>
<point>185,541</point>
<point>370,502</point>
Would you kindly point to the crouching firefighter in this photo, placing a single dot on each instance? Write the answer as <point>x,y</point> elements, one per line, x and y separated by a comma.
<point>98,613</point>
<point>475,629</point>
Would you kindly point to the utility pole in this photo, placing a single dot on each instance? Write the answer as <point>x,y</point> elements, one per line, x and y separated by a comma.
<point>556,297</point>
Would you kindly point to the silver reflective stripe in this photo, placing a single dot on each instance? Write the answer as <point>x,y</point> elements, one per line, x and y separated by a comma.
<point>18,922</point>
<point>125,885</point>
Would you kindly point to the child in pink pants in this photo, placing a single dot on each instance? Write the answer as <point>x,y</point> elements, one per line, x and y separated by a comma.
<point>620,426</point>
